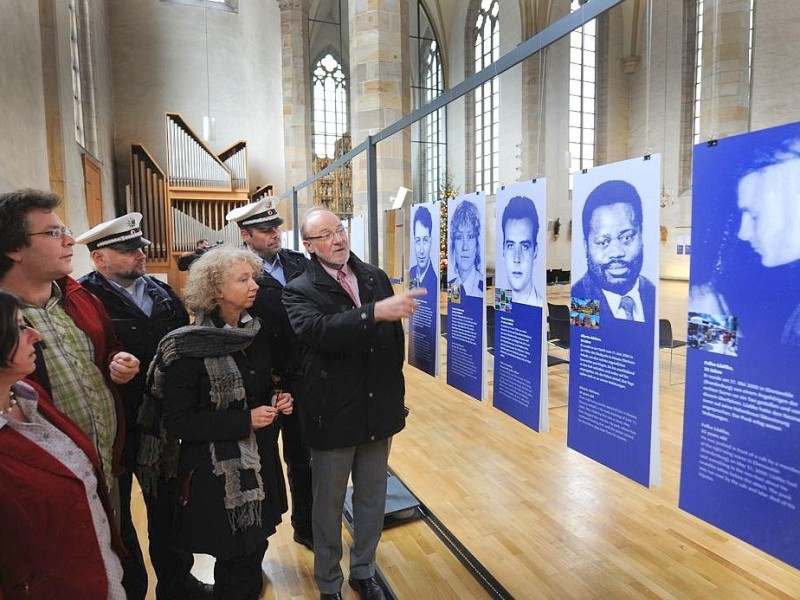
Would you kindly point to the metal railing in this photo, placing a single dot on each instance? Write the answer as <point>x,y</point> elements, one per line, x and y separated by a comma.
<point>563,27</point>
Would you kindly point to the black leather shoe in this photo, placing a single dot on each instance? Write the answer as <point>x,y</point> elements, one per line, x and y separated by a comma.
<point>304,540</point>
<point>368,589</point>
<point>197,590</point>
<point>336,596</point>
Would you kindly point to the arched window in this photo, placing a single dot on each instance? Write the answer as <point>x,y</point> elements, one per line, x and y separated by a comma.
<point>582,93</point>
<point>83,104</point>
<point>487,98</point>
<point>699,28</point>
<point>432,154</point>
<point>77,85</point>
<point>699,64</point>
<point>330,105</point>
<point>227,5</point>
<point>698,72</point>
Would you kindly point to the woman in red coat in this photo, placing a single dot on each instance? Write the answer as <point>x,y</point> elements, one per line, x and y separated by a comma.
<point>57,537</point>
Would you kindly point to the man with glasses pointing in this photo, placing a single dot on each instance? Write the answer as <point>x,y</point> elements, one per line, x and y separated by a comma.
<point>347,319</point>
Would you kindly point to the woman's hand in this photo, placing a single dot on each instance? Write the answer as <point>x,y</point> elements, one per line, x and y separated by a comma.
<point>262,416</point>
<point>283,402</point>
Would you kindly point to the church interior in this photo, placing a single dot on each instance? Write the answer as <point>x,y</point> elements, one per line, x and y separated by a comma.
<point>185,109</point>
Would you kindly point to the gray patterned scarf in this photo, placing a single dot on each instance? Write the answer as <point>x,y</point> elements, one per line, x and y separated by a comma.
<point>237,461</point>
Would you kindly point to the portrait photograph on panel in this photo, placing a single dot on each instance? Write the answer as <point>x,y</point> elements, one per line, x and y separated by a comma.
<point>752,234</point>
<point>519,264</point>
<point>465,268</point>
<point>423,325</point>
<point>740,465</point>
<point>520,352</point>
<point>614,270</point>
<point>466,313</point>
<point>424,260</point>
<point>613,382</point>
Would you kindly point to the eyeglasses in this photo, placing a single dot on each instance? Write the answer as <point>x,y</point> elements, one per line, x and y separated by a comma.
<point>56,233</point>
<point>339,232</point>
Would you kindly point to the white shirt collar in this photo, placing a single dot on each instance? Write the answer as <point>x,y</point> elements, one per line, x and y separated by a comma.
<point>615,299</point>
<point>245,318</point>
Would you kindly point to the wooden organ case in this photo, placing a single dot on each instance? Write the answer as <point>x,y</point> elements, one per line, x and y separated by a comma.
<point>189,201</point>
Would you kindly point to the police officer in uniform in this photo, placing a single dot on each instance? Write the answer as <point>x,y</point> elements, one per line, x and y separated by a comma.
<point>142,310</point>
<point>260,224</point>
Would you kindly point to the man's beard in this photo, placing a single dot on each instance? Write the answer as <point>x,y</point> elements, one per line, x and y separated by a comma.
<point>334,265</point>
<point>268,256</point>
<point>131,275</point>
<point>618,285</point>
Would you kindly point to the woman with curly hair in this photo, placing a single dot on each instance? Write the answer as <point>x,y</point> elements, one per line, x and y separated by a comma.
<point>210,387</point>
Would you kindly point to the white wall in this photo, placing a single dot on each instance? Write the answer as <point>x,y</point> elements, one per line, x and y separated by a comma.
<point>776,69</point>
<point>23,143</point>
<point>159,66</point>
<point>25,75</point>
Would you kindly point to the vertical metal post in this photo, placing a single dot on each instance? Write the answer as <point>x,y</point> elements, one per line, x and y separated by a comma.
<point>295,220</point>
<point>372,201</point>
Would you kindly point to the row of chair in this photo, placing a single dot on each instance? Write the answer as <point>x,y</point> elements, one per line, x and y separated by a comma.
<point>554,276</point>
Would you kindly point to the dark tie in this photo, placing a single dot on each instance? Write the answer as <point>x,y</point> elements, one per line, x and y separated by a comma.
<point>627,305</point>
<point>342,279</point>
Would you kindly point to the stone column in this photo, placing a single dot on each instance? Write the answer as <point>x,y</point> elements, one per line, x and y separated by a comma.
<point>533,102</point>
<point>774,74</point>
<point>296,77</point>
<point>380,95</point>
<point>725,89</point>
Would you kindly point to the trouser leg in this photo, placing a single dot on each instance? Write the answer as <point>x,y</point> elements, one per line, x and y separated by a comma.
<point>330,470</point>
<point>370,465</point>
<point>240,578</point>
<point>134,574</point>
<point>298,468</point>
<point>170,563</point>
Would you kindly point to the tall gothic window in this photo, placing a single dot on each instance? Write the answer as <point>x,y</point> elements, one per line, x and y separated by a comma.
<point>330,105</point>
<point>432,155</point>
<point>698,79</point>
<point>83,87</point>
<point>329,135</point>
<point>698,73</point>
<point>487,98</point>
<point>75,32</point>
<point>582,93</point>
<point>226,5</point>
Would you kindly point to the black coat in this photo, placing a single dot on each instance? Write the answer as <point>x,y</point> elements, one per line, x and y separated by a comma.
<point>190,415</point>
<point>353,385</point>
<point>184,262</point>
<point>139,335</point>
<point>269,308</point>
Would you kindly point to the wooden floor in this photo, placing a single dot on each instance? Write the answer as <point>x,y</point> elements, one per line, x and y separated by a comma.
<point>544,520</point>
